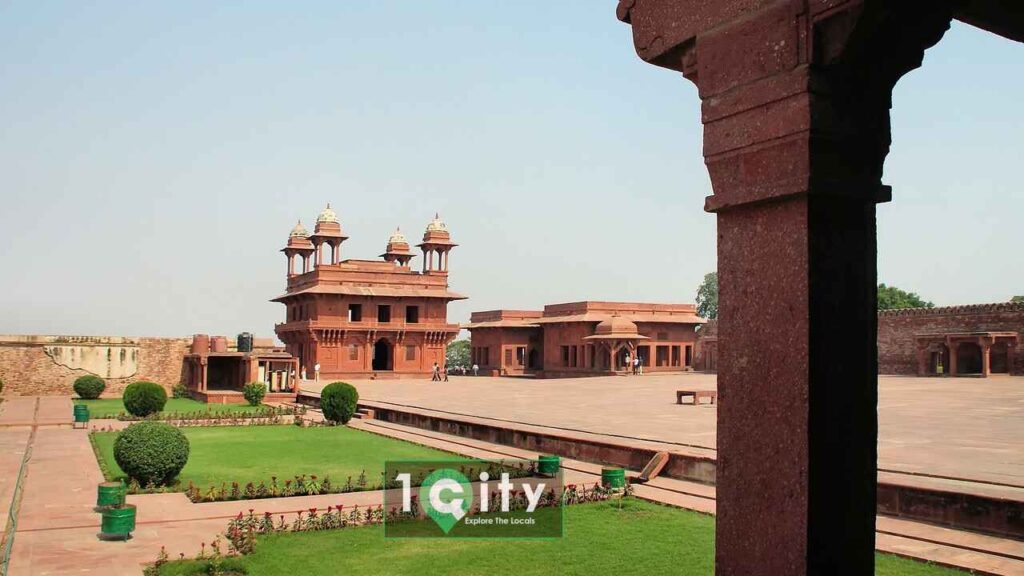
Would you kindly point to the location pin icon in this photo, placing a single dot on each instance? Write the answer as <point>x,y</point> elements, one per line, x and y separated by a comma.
<point>447,497</point>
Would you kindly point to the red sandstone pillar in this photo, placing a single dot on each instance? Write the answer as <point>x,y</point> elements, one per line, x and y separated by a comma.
<point>986,356</point>
<point>795,104</point>
<point>954,351</point>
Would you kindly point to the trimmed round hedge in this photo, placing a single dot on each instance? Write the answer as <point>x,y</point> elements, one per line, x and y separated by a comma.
<point>151,452</point>
<point>144,398</point>
<point>254,392</point>
<point>338,401</point>
<point>89,387</point>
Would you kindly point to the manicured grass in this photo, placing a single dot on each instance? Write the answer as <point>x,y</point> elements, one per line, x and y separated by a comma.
<point>255,453</point>
<point>111,407</point>
<point>640,539</point>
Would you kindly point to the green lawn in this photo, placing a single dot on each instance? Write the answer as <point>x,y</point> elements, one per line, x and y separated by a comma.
<point>641,539</point>
<point>255,453</point>
<point>111,407</point>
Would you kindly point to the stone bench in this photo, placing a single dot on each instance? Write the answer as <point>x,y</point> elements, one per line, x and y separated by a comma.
<point>711,395</point>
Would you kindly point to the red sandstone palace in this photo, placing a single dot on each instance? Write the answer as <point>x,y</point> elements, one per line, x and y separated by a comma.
<point>366,318</point>
<point>584,339</point>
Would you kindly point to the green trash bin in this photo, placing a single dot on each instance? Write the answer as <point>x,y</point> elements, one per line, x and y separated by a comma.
<point>109,495</point>
<point>548,464</point>
<point>81,415</point>
<point>118,523</point>
<point>613,478</point>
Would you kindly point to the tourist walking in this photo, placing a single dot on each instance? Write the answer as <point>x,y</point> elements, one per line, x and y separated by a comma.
<point>437,373</point>
<point>640,365</point>
<point>445,370</point>
<point>303,373</point>
<point>476,370</point>
<point>629,364</point>
<point>636,366</point>
<point>316,372</point>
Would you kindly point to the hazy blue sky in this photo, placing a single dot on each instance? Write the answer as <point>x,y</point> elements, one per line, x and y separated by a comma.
<point>154,158</point>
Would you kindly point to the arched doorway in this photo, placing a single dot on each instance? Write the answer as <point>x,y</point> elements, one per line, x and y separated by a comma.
<point>382,356</point>
<point>968,358</point>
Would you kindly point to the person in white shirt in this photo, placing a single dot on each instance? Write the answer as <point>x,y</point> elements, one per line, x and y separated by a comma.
<point>316,372</point>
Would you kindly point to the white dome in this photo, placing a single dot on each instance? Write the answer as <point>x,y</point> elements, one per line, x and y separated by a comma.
<point>299,231</point>
<point>397,237</point>
<point>437,225</point>
<point>327,215</point>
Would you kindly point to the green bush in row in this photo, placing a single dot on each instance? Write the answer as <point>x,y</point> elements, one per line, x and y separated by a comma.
<point>151,452</point>
<point>144,398</point>
<point>89,387</point>
<point>338,401</point>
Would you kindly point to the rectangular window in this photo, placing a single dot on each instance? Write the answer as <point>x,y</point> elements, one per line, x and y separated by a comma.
<point>689,356</point>
<point>508,357</point>
<point>410,353</point>
<point>487,357</point>
<point>675,355</point>
<point>521,355</point>
<point>412,314</point>
<point>592,354</point>
<point>355,312</point>
<point>353,352</point>
<point>572,356</point>
<point>565,355</point>
<point>383,313</point>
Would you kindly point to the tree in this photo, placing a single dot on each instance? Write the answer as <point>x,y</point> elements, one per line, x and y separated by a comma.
<point>1017,299</point>
<point>457,354</point>
<point>891,297</point>
<point>707,296</point>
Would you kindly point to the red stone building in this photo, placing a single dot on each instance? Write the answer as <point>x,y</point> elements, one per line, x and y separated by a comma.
<point>584,339</point>
<point>366,318</point>
<point>214,371</point>
<point>975,340</point>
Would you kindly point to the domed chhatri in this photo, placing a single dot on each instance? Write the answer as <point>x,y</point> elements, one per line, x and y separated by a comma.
<point>437,243</point>
<point>397,249</point>
<point>327,215</point>
<point>299,231</point>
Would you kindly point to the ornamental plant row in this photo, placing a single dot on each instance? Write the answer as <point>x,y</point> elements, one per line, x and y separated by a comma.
<point>184,418</point>
<point>313,485</point>
<point>242,530</point>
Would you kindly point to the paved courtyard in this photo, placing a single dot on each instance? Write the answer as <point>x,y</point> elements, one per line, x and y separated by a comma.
<point>967,428</point>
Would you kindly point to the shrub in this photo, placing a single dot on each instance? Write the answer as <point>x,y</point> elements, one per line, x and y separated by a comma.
<point>1,385</point>
<point>151,452</point>
<point>89,387</point>
<point>179,391</point>
<point>144,398</point>
<point>254,392</point>
<point>338,401</point>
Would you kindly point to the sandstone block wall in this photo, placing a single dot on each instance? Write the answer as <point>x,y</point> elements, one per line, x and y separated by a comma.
<point>48,365</point>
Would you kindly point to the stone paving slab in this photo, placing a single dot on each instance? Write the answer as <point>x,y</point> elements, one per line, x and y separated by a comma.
<point>13,442</point>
